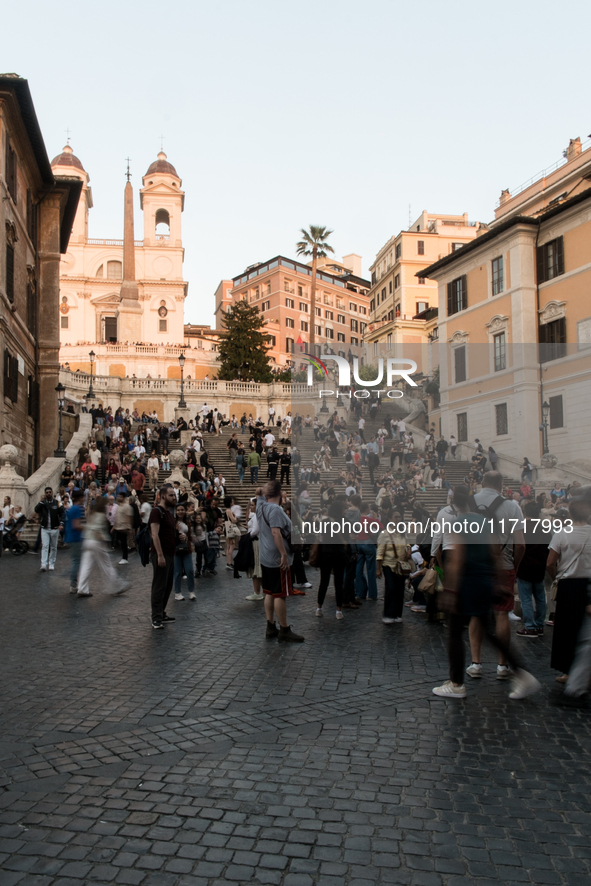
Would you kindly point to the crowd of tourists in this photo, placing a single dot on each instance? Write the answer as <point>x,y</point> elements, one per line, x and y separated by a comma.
<point>472,575</point>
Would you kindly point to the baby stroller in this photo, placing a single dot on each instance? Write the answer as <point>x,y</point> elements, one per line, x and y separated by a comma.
<point>10,538</point>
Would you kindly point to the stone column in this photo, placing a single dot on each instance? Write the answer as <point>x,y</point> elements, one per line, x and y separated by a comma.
<point>48,337</point>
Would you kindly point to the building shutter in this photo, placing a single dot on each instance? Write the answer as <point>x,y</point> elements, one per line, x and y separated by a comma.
<point>10,272</point>
<point>559,261</point>
<point>450,291</point>
<point>464,296</point>
<point>556,412</point>
<point>14,378</point>
<point>7,374</point>
<point>540,265</point>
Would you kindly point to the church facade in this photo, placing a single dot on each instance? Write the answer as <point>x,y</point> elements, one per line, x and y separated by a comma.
<point>124,299</point>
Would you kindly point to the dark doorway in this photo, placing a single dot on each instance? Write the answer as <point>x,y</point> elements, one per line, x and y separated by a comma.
<point>110,329</point>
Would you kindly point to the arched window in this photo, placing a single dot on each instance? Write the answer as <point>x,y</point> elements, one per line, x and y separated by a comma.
<point>99,273</point>
<point>162,224</point>
<point>114,270</point>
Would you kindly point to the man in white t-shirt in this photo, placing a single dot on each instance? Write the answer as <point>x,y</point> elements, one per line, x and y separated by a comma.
<point>361,425</point>
<point>269,439</point>
<point>271,415</point>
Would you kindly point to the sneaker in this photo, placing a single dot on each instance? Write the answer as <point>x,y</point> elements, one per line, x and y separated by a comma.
<point>178,597</point>
<point>229,567</point>
<point>43,569</point>
<point>123,562</point>
<point>513,617</point>
<point>157,625</point>
<point>527,632</point>
<point>51,568</point>
<point>124,587</point>
<point>418,608</point>
<point>409,603</point>
<point>166,618</point>
<point>504,672</point>
<point>540,632</point>
<point>87,594</point>
<point>474,671</point>
<point>255,597</point>
<point>73,589</point>
<point>272,630</point>
<point>286,635</point>
<point>319,613</point>
<point>448,690</point>
<point>388,621</point>
<point>339,614</point>
<point>305,584</point>
<point>550,622</point>
<point>524,684</point>
<point>192,596</point>
<point>397,621</point>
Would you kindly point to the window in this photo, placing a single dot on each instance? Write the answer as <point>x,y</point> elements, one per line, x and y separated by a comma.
<point>327,299</point>
<point>341,336</point>
<point>269,288</point>
<point>389,341</point>
<point>289,303</point>
<point>354,341</point>
<point>289,323</point>
<point>289,345</point>
<point>457,295</point>
<point>31,309</point>
<point>287,286</point>
<point>372,305</point>
<point>396,281</point>
<point>304,325</point>
<point>65,322</point>
<point>31,220</point>
<point>501,420</point>
<point>162,325</point>
<point>110,329</point>
<point>11,175</point>
<point>303,307</point>
<point>556,412</point>
<point>300,292</point>
<point>398,252</point>
<point>329,332</point>
<point>362,310</point>
<point>318,312</point>
<point>462,418</point>
<point>352,307</point>
<point>498,283</point>
<point>420,247</point>
<point>10,272</point>
<point>256,292</point>
<point>266,306</point>
<point>318,330</point>
<point>390,287</point>
<point>341,318</point>
<point>329,315</point>
<point>456,246</point>
<point>384,294</point>
<point>390,315</point>
<point>354,325</point>
<point>500,347</point>
<point>553,340</point>
<point>114,270</point>
<point>271,340</point>
<point>33,398</point>
<point>460,363</point>
<point>422,306</point>
<point>10,376</point>
<point>397,309</point>
<point>550,260</point>
<point>162,220</point>
<point>421,281</point>
<point>362,327</point>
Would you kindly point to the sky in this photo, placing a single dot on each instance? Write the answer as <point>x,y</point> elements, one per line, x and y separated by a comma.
<point>279,115</point>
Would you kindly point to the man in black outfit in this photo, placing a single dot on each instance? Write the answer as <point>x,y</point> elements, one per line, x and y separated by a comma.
<point>162,531</point>
<point>285,466</point>
<point>272,463</point>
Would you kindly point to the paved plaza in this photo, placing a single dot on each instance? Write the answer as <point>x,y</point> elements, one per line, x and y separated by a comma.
<point>204,754</point>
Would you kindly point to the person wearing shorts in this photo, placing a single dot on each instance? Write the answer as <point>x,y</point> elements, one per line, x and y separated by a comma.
<point>276,559</point>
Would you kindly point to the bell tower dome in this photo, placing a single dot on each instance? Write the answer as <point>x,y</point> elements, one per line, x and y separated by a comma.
<point>162,201</point>
<point>68,165</point>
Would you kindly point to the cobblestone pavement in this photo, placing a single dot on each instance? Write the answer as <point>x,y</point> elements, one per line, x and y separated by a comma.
<point>203,754</point>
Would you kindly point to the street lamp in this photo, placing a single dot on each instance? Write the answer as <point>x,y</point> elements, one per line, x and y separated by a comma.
<point>544,427</point>
<point>60,452</point>
<point>91,357</point>
<point>182,404</point>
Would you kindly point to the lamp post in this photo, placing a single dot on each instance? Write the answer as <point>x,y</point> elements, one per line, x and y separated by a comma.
<point>182,404</point>
<point>544,427</point>
<point>60,452</point>
<point>91,357</point>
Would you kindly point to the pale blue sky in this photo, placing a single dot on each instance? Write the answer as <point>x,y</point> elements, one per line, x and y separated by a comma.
<point>278,115</point>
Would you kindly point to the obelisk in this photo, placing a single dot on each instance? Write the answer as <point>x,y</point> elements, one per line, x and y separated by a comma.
<point>130,311</point>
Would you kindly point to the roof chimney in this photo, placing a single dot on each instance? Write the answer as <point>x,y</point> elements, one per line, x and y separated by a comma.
<point>574,149</point>
<point>505,196</point>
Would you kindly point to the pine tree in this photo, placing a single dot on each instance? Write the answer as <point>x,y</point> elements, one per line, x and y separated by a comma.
<point>244,346</point>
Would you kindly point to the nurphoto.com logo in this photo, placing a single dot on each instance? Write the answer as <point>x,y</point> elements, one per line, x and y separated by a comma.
<point>395,368</point>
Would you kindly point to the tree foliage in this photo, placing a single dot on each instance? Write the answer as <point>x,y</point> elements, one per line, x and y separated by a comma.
<point>243,348</point>
<point>315,243</point>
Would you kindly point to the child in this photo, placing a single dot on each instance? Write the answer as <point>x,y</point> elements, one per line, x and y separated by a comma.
<point>200,544</point>
<point>213,549</point>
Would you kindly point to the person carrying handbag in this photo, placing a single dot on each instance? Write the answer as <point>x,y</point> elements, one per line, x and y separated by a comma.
<point>232,528</point>
<point>394,560</point>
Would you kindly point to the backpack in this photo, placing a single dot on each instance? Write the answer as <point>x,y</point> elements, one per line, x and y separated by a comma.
<point>143,543</point>
<point>487,511</point>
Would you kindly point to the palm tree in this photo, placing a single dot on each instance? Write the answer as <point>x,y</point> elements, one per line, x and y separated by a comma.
<point>314,244</point>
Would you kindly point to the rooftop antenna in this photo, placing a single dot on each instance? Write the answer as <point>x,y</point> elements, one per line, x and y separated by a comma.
<point>68,134</point>
<point>162,137</point>
<point>128,173</point>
